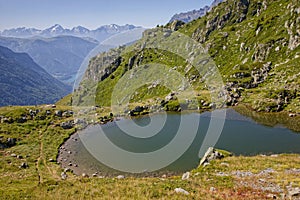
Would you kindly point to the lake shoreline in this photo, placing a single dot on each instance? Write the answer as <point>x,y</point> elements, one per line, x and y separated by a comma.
<point>67,162</point>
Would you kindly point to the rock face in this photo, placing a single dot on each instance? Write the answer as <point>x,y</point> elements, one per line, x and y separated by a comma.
<point>211,154</point>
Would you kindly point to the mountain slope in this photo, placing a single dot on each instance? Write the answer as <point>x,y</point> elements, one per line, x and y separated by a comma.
<point>23,82</point>
<point>60,56</point>
<point>254,44</point>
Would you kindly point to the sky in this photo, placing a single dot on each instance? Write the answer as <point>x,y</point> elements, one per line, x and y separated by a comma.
<point>91,14</point>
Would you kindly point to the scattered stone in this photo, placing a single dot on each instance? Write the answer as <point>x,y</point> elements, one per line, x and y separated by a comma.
<point>222,174</point>
<point>242,174</point>
<point>267,171</point>
<point>185,176</point>
<point>292,115</point>
<point>182,191</point>
<point>70,164</point>
<point>68,170</point>
<point>212,189</point>
<point>13,155</point>
<point>164,176</point>
<point>11,142</point>
<point>23,165</point>
<point>95,175</point>
<point>224,164</point>
<point>294,192</point>
<point>67,125</point>
<point>51,160</point>
<point>84,175</point>
<point>206,164</point>
<point>271,196</point>
<point>58,113</point>
<point>120,177</point>
<point>63,176</point>
<point>19,157</point>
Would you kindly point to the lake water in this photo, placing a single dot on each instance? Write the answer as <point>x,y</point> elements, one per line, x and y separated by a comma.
<point>170,143</point>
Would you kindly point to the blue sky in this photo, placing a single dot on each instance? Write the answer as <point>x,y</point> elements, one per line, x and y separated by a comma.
<point>91,13</point>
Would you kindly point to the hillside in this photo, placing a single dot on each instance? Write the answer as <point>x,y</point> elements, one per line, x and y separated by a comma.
<point>23,82</point>
<point>254,45</point>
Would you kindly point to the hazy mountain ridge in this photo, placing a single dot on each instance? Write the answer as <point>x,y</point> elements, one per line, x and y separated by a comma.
<point>60,56</point>
<point>194,14</point>
<point>23,82</point>
<point>57,30</point>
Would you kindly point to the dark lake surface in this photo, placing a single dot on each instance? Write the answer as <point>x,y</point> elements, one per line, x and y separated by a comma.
<point>170,143</point>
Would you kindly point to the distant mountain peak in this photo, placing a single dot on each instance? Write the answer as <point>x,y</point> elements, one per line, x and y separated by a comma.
<point>57,30</point>
<point>194,14</point>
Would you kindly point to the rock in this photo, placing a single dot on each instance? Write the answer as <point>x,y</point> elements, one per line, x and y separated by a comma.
<point>95,175</point>
<point>58,113</point>
<point>185,176</point>
<point>13,155</point>
<point>164,176</point>
<point>51,160</point>
<point>294,192</point>
<point>11,142</point>
<point>70,164</point>
<point>120,177</point>
<point>131,62</point>
<point>292,115</point>
<point>63,176</point>
<point>224,164</point>
<point>84,175</point>
<point>271,196</point>
<point>182,191</point>
<point>67,113</point>
<point>48,112</point>
<point>68,170</point>
<point>211,154</point>
<point>67,125</point>
<point>21,120</point>
<point>175,25</point>
<point>23,165</point>
<point>212,189</point>
<point>19,157</point>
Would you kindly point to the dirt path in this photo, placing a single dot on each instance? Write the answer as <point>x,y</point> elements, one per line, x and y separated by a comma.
<point>42,160</point>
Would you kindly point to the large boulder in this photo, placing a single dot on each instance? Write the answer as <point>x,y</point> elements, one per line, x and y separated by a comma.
<point>211,154</point>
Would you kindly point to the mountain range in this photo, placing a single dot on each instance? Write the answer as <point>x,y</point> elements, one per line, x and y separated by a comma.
<point>23,82</point>
<point>58,50</point>
<point>60,56</point>
<point>194,14</point>
<point>99,34</point>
